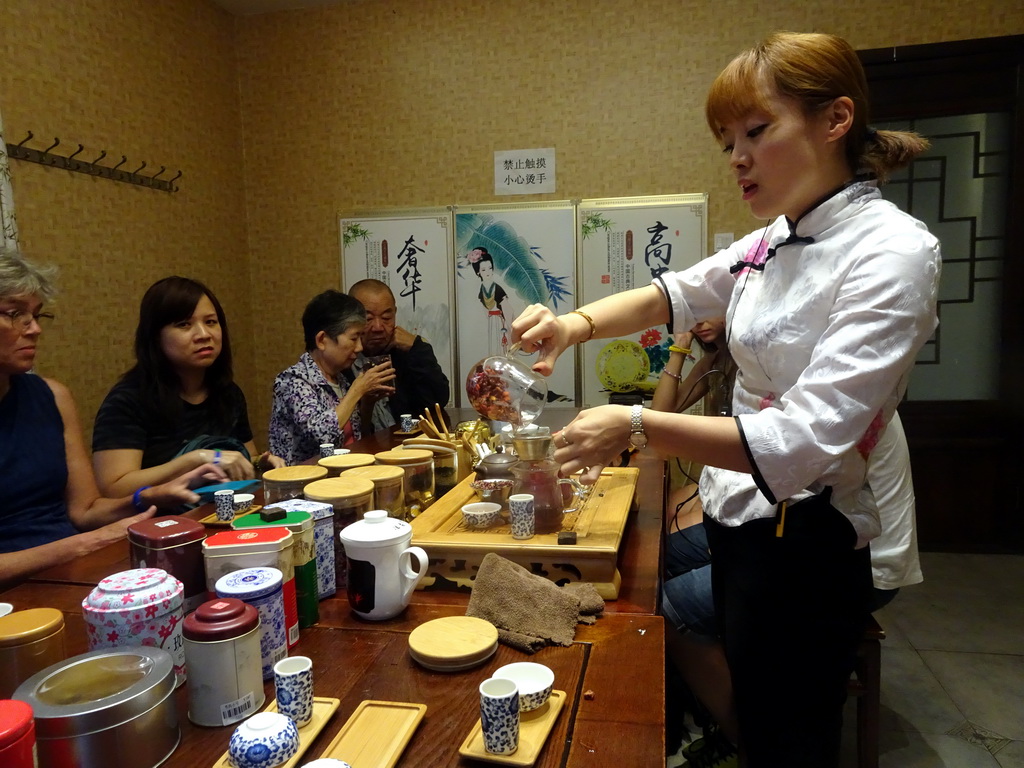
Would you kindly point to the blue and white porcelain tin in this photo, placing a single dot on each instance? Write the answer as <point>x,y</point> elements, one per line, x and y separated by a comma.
<point>261,588</point>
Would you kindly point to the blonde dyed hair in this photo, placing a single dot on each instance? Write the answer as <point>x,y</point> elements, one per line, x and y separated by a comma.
<point>813,69</point>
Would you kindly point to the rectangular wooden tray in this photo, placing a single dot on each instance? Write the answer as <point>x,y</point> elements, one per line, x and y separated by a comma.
<point>323,709</point>
<point>376,733</point>
<point>534,729</point>
<point>215,522</point>
<point>456,551</point>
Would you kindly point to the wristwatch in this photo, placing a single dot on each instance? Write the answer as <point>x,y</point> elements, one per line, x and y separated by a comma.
<point>637,437</point>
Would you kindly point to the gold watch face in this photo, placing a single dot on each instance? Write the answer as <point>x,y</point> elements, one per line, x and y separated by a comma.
<point>638,440</point>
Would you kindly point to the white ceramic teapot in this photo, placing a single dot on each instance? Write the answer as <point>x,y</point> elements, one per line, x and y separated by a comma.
<point>381,576</point>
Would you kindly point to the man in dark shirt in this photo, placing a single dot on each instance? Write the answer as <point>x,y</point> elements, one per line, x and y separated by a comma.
<point>419,380</point>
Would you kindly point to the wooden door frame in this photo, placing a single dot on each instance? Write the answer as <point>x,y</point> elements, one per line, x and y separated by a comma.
<point>975,445</point>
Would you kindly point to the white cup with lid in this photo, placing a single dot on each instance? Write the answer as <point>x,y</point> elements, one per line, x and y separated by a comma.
<point>383,569</point>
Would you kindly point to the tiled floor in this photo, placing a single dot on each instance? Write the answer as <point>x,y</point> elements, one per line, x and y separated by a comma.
<point>952,668</point>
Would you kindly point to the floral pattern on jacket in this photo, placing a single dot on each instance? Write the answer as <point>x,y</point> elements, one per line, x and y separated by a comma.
<point>303,414</point>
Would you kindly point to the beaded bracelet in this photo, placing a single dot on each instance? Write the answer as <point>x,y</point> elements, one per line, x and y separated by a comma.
<point>675,376</point>
<point>589,319</point>
<point>137,502</point>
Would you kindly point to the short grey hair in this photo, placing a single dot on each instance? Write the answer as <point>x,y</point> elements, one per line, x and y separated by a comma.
<point>21,277</point>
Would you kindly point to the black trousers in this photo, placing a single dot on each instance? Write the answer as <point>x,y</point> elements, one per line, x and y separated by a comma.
<point>791,612</point>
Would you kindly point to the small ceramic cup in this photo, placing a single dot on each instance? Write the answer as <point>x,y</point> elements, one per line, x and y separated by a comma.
<point>264,740</point>
<point>326,449</point>
<point>408,424</point>
<point>481,514</point>
<point>225,503</point>
<point>533,680</point>
<point>520,512</point>
<point>293,684</point>
<point>340,452</point>
<point>242,502</point>
<point>326,762</point>
<point>499,715</point>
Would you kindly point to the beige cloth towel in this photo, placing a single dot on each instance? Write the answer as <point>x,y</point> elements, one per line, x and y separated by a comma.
<point>529,610</point>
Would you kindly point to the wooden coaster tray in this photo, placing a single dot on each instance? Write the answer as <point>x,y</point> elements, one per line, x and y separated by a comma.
<point>456,551</point>
<point>323,709</point>
<point>215,522</point>
<point>376,733</point>
<point>534,729</point>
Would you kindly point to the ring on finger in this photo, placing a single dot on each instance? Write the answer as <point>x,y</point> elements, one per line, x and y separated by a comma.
<point>566,442</point>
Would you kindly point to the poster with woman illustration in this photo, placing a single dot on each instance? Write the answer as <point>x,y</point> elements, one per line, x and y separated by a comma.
<point>624,244</point>
<point>506,258</point>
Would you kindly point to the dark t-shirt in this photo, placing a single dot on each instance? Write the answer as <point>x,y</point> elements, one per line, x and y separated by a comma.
<point>124,421</point>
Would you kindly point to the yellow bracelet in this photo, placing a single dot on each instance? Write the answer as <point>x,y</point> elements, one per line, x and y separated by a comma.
<point>589,319</point>
<point>680,350</point>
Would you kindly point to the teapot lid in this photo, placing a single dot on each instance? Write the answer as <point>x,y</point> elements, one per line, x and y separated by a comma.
<point>499,459</point>
<point>376,529</point>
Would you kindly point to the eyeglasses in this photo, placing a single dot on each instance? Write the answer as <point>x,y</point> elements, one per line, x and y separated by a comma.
<point>22,318</point>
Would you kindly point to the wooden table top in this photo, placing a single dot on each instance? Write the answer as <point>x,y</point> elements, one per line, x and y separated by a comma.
<point>613,675</point>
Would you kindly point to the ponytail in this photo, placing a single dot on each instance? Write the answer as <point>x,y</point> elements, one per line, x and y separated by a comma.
<point>882,152</point>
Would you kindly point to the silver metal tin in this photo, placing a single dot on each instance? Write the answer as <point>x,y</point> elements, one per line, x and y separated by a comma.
<point>108,708</point>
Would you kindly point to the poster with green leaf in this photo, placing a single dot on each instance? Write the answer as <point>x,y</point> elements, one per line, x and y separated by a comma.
<point>624,244</point>
<point>506,258</point>
<point>410,251</point>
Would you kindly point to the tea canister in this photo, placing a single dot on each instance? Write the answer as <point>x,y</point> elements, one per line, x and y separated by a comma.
<point>30,640</point>
<point>283,483</point>
<point>351,498</point>
<point>109,708</point>
<point>300,523</point>
<point>323,540</point>
<point>335,465</point>
<point>222,651</point>
<point>419,475</point>
<point>261,588</point>
<point>17,735</point>
<point>143,607</point>
<point>174,544</point>
<point>228,551</point>
<point>388,487</point>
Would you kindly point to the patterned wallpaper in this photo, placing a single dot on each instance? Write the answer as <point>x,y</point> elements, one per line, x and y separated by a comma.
<point>283,121</point>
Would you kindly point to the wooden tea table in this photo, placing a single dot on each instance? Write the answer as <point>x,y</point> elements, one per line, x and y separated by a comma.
<point>613,675</point>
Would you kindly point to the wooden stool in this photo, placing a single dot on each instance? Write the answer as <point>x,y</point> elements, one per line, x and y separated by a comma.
<point>865,684</point>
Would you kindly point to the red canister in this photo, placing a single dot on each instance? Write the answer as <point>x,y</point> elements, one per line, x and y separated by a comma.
<point>173,544</point>
<point>17,735</point>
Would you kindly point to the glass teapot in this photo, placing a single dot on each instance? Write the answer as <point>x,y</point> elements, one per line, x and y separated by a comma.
<point>553,496</point>
<point>502,388</point>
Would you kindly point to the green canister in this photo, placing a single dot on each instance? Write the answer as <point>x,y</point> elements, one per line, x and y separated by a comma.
<point>303,554</point>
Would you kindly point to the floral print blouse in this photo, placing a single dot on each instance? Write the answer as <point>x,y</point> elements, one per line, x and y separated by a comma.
<point>303,414</point>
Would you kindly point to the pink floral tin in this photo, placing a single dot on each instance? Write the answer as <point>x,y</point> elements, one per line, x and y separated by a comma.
<point>138,607</point>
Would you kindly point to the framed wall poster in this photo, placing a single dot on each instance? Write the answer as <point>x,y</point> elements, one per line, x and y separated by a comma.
<point>623,244</point>
<point>506,258</point>
<point>410,251</point>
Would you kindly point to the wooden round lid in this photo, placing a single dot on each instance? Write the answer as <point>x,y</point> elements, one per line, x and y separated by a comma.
<point>453,640</point>
<point>296,474</point>
<point>404,456</point>
<point>379,473</point>
<point>347,461</point>
<point>342,487</point>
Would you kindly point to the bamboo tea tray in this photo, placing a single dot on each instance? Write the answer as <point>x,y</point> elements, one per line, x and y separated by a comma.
<point>323,709</point>
<point>376,733</point>
<point>534,729</point>
<point>456,550</point>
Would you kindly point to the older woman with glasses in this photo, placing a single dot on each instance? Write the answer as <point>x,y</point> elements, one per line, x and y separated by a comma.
<point>52,510</point>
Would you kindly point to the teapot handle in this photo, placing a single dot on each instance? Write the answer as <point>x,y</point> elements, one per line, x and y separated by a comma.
<point>579,492</point>
<point>411,576</point>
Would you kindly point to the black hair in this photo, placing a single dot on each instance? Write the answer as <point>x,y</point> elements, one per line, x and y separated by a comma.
<point>333,312</point>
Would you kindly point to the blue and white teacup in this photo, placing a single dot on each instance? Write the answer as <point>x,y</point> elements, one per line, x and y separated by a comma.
<point>225,504</point>
<point>520,513</point>
<point>293,683</point>
<point>499,715</point>
<point>264,740</point>
<point>408,422</point>
<point>326,449</point>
